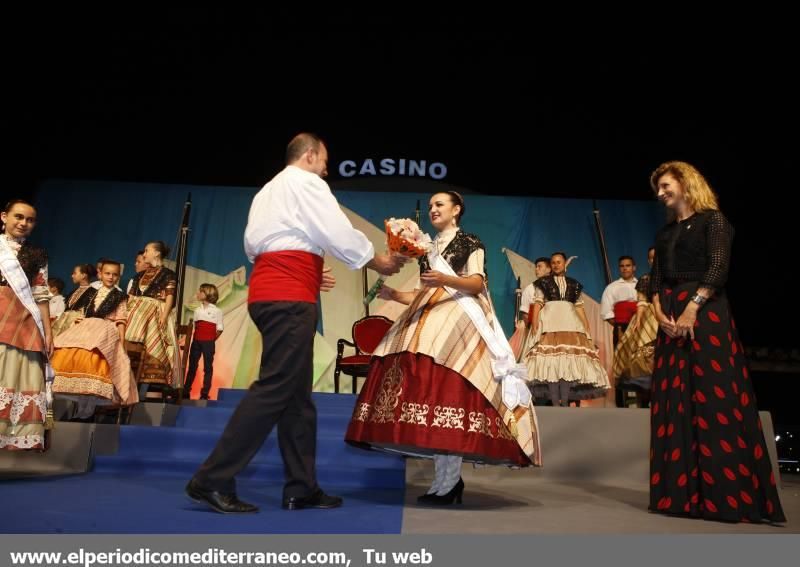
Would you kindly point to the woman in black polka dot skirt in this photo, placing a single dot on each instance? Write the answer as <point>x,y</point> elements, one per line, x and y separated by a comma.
<point>708,458</point>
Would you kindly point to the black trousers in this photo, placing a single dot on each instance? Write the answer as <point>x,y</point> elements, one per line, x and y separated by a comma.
<point>281,396</point>
<point>206,349</point>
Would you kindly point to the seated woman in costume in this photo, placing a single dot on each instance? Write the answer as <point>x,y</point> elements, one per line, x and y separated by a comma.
<point>90,363</point>
<point>78,300</point>
<point>150,318</point>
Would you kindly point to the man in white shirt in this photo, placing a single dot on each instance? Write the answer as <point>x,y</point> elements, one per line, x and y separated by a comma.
<point>293,221</point>
<point>618,305</point>
<point>541,268</point>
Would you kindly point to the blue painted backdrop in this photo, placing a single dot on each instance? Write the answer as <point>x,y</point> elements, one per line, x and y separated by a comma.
<point>81,221</point>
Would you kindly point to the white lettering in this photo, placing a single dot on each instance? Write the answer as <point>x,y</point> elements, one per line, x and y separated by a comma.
<point>387,167</point>
<point>347,168</point>
<point>440,170</point>
<point>367,168</point>
<point>391,167</point>
<point>375,556</point>
<point>416,168</point>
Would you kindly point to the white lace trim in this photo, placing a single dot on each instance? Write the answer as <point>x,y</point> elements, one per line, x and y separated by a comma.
<point>20,401</point>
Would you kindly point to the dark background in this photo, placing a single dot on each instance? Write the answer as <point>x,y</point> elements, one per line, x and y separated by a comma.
<point>195,100</point>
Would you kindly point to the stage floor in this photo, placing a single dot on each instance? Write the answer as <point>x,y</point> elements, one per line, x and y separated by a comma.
<point>498,500</point>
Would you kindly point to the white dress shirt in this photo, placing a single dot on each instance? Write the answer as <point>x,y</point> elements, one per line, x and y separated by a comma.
<point>210,313</point>
<point>527,298</point>
<point>617,291</point>
<point>57,306</point>
<point>297,211</point>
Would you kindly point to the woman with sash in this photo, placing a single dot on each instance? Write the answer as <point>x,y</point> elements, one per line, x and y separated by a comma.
<point>26,339</point>
<point>152,298</point>
<point>444,383</point>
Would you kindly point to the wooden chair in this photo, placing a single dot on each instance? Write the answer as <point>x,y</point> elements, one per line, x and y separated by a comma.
<point>367,334</point>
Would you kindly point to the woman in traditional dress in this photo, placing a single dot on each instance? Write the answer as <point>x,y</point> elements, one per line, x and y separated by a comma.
<point>152,298</point>
<point>432,389</point>
<point>633,357</point>
<point>563,362</point>
<point>90,363</point>
<point>26,339</point>
<point>708,457</point>
<point>78,300</point>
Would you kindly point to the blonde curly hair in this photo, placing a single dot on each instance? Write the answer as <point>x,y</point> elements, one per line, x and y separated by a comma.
<point>698,192</point>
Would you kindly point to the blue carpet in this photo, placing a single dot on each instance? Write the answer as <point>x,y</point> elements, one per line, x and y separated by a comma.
<point>140,489</point>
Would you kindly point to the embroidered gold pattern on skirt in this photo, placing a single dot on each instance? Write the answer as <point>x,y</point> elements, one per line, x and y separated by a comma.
<point>391,388</point>
<point>448,417</point>
<point>415,413</point>
<point>479,423</point>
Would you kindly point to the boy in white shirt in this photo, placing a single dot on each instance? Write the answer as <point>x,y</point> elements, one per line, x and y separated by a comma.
<point>207,329</point>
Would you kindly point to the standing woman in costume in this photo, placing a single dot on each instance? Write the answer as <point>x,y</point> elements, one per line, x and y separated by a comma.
<point>152,297</point>
<point>708,458</point>
<point>431,391</point>
<point>563,361</point>
<point>26,340</point>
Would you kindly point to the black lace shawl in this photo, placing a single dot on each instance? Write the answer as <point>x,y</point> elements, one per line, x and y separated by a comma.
<point>109,304</point>
<point>32,259</point>
<point>457,252</point>
<point>549,287</point>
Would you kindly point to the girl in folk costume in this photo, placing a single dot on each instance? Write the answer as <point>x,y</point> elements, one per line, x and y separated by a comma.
<point>25,336</point>
<point>563,362</point>
<point>708,457</point>
<point>90,363</point>
<point>443,382</point>
<point>633,356</point>
<point>78,300</point>
<point>152,297</point>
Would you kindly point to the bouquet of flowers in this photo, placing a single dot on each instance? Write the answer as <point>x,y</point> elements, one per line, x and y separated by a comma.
<point>403,238</point>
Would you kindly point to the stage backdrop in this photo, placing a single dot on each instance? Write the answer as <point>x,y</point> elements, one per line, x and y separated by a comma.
<point>80,221</point>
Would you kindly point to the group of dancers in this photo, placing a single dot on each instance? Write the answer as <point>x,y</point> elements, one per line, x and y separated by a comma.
<point>443,383</point>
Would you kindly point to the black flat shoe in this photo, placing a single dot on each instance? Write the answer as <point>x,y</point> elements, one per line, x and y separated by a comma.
<point>218,501</point>
<point>316,500</point>
<point>446,499</point>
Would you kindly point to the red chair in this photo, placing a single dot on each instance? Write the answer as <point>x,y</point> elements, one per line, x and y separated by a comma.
<point>367,334</point>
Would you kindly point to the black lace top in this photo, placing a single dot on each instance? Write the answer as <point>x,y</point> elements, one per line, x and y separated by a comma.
<point>696,249</point>
<point>80,298</point>
<point>549,288</point>
<point>457,252</point>
<point>160,282</point>
<point>32,259</point>
<point>108,306</point>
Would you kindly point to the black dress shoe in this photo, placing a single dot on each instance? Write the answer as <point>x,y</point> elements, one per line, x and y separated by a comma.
<point>316,500</point>
<point>219,502</point>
